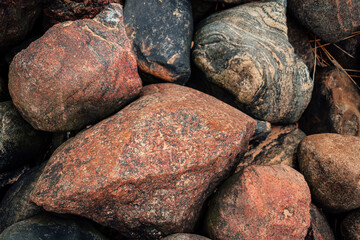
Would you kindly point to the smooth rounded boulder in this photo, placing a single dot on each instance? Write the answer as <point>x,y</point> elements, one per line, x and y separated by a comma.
<point>261,202</point>
<point>331,166</point>
<point>245,50</point>
<point>76,74</point>
<point>161,31</point>
<point>147,170</point>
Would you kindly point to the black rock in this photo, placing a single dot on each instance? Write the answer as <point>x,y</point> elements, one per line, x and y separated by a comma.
<point>319,227</point>
<point>161,31</point>
<point>48,227</point>
<point>350,226</point>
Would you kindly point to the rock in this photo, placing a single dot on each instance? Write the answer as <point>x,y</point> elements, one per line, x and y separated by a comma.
<point>350,227</point>
<point>60,11</point>
<point>15,205</point>
<point>335,105</point>
<point>232,2</point>
<point>17,18</point>
<point>201,9</point>
<point>331,167</point>
<point>328,19</point>
<point>278,148</point>
<point>161,31</point>
<point>261,202</point>
<point>185,236</point>
<point>11,176</point>
<point>173,146</point>
<point>319,227</point>
<point>47,227</point>
<point>253,60</point>
<point>77,74</point>
<point>20,144</point>
<point>299,39</point>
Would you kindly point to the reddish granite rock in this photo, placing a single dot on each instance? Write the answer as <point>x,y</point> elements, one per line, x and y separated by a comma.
<point>329,19</point>
<point>335,105</point>
<point>76,74</point>
<point>261,202</point>
<point>279,147</point>
<point>56,11</point>
<point>350,227</point>
<point>147,170</point>
<point>331,166</point>
<point>319,227</point>
<point>17,18</point>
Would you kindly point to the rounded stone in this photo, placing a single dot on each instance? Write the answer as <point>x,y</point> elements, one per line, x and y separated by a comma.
<point>350,226</point>
<point>261,202</point>
<point>331,166</point>
<point>76,74</point>
<point>319,227</point>
<point>185,236</point>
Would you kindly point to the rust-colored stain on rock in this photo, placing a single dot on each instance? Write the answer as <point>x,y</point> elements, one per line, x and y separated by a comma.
<point>147,170</point>
<point>77,74</point>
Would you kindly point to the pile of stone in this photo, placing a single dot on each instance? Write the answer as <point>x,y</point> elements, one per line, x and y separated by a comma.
<point>124,121</point>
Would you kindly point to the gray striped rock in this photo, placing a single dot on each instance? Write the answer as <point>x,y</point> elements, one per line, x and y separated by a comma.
<point>246,51</point>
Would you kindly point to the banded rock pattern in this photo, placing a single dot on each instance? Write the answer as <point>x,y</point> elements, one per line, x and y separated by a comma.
<point>161,31</point>
<point>147,170</point>
<point>331,20</point>
<point>76,74</point>
<point>245,50</point>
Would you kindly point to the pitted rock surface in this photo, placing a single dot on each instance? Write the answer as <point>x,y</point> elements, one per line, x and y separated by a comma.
<point>350,226</point>
<point>245,50</point>
<point>261,202</point>
<point>185,236</point>
<point>17,18</point>
<point>331,20</point>
<point>279,147</point>
<point>319,227</point>
<point>56,11</point>
<point>77,74</point>
<point>331,166</point>
<point>20,144</point>
<point>147,170</point>
<point>161,31</point>
<point>335,105</point>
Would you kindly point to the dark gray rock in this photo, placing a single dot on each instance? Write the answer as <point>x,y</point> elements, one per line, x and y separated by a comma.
<point>245,50</point>
<point>335,105</point>
<point>350,226</point>
<point>15,206</point>
<point>185,236</point>
<point>48,227</point>
<point>19,142</point>
<point>9,177</point>
<point>319,227</point>
<point>161,31</point>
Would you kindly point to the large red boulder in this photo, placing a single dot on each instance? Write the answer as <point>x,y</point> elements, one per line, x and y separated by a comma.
<point>261,202</point>
<point>147,170</point>
<point>77,74</point>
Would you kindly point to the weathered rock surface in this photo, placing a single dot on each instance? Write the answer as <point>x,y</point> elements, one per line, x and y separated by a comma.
<point>47,227</point>
<point>330,20</point>
<point>17,17</point>
<point>185,236</point>
<point>147,170</point>
<point>19,142</point>
<point>319,227</point>
<point>56,11</point>
<point>261,202</point>
<point>245,50</point>
<point>161,31</point>
<point>278,148</point>
<point>76,74</point>
<point>335,105</point>
<point>331,166</point>
<point>15,206</point>
<point>350,227</point>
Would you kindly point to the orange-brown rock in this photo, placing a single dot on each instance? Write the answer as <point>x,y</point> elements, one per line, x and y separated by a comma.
<point>331,166</point>
<point>77,74</point>
<point>261,202</point>
<point>147,170</point>
<point>335,105</point>
<point>279,147</point>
